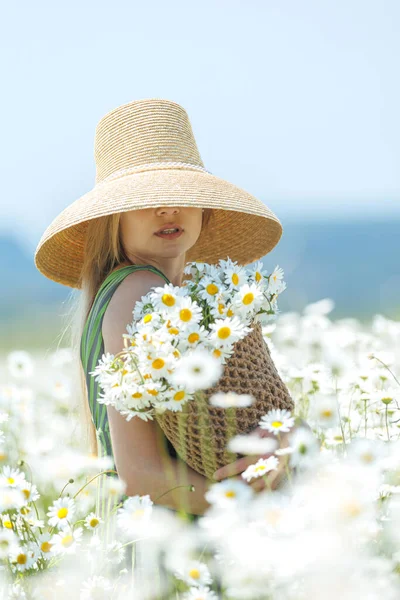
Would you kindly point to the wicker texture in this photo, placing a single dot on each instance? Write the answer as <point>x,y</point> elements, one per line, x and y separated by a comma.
<point>146,156</point>
<point>200,432</point>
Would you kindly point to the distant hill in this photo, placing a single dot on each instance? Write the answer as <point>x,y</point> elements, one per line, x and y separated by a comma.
<point>354,263</point>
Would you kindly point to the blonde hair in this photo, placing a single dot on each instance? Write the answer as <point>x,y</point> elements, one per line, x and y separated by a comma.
<point>103,253</point>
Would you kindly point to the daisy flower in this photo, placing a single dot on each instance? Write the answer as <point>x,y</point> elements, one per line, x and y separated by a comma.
<point>248,299</point>
<point>209,289</point>
<point>222,353</point>
<point>24,557</point>
<point>305,448</point>
<point>200,593</point>
<point>92,521</point>
<point>11,497</point>
<point>174,399</point>
<point>228,399</point>
<point>192,336</point>
<point>133,517</point>
<point>197,370</point>
<point>20,364</point>
<point>275,282</point>
<point>235,277</point>
<point>44,544</point>
<point>258,274</point>
<point>228,493</point>
<point>194,573</point>
<point>277,420</point>
<point>187,313</point>
<point>66,541</point>
<point>225,332</point>
<point>11,477</point>
<point>9,543</point>
<point>252,444</point>
<point>164,299</point>
<point>260,468</point>
<point>96,587</point>
<point>61,511</point>
<point>160,364</point>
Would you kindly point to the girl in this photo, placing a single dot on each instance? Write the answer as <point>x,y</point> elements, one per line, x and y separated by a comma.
<point>154,207</point>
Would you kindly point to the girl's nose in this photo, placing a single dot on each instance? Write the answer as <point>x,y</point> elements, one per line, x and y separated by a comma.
<point>167,210</point>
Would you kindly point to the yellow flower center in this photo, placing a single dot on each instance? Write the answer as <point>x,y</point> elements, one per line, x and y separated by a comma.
<point>221,308</point>
<point>235,278</point>
<point>326,413</point>
<point>152,392</point>
<point>193,337</point>
<point>11,480</point>
<point>176,353</point>
<point>224,333</point>
<point>258,276</point>
<point>212,289</point>
<point>147,318</point>
<point>168,299</point>
<point>185,315</point>
<point>137,395</point>
<point>194,573</point>
<point>67,540</point>
<point>93,522</point>
<point>173,330</point>
<point>248,298</point>
<point>45,547</point>
<point>21,559</point>
<point>138,513</point>
<point>62,513</point>
<point>158,363</point>
<point>179,395</point>
<point>217,352</point>
<point>276,423</point>
<point>230,494</point>
<point>7,524</point>
<point>229,313</point>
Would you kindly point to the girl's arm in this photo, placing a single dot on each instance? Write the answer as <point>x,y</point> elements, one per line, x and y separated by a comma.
<point>139,456</point>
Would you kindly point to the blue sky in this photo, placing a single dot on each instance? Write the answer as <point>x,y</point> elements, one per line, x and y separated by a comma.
<point>296,102</point>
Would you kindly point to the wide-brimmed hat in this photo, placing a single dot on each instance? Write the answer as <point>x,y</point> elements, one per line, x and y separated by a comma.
<point>146,156</point>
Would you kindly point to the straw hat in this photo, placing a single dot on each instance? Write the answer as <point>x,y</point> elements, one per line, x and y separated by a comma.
<point>146,156</point>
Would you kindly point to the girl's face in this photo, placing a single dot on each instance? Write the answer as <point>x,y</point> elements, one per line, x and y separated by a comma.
<point>138,230</point>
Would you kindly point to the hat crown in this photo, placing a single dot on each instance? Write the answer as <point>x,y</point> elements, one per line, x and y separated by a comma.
<point>143,132</point>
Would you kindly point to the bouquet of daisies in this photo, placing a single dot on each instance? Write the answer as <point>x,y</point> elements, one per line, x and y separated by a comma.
<point>190,342</point>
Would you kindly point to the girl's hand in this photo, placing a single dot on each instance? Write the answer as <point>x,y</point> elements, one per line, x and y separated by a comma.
<point>274,477</point>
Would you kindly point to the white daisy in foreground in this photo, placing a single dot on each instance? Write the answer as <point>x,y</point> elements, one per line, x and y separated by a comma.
<point>197,370</point>
<point>200,593</point>
<point>62,510</point>
<point>9,542</point>
<point>229,399</point>
<point>96,587</point>
<point>44,544</point>
<point>11,498</point>
<point>324,410</point>
<point>194,572</point>
<point>277,420</point>
<point>66,541</point>
<point>235,276</point>
<point>24,557</point>
<point>252,444</point>
<point>134,516</point>
<point>12,477</point>
<point>20,364</point>
<point>260,468</point>
<point>228,493</point>
<point>187,313</point>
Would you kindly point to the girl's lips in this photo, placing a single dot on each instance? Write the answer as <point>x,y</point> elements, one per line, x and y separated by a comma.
<point>170,236</point>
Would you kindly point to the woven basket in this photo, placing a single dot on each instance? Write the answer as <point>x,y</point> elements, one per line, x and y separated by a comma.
<point>200,432</point>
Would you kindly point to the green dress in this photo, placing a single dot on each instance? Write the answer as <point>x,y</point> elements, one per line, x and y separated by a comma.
<point>91,350</point>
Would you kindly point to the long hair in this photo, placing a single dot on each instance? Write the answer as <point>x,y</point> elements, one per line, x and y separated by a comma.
<point>103,252</point>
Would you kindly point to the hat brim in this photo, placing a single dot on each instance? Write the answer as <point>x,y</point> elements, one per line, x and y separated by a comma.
<point>242,227</point>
